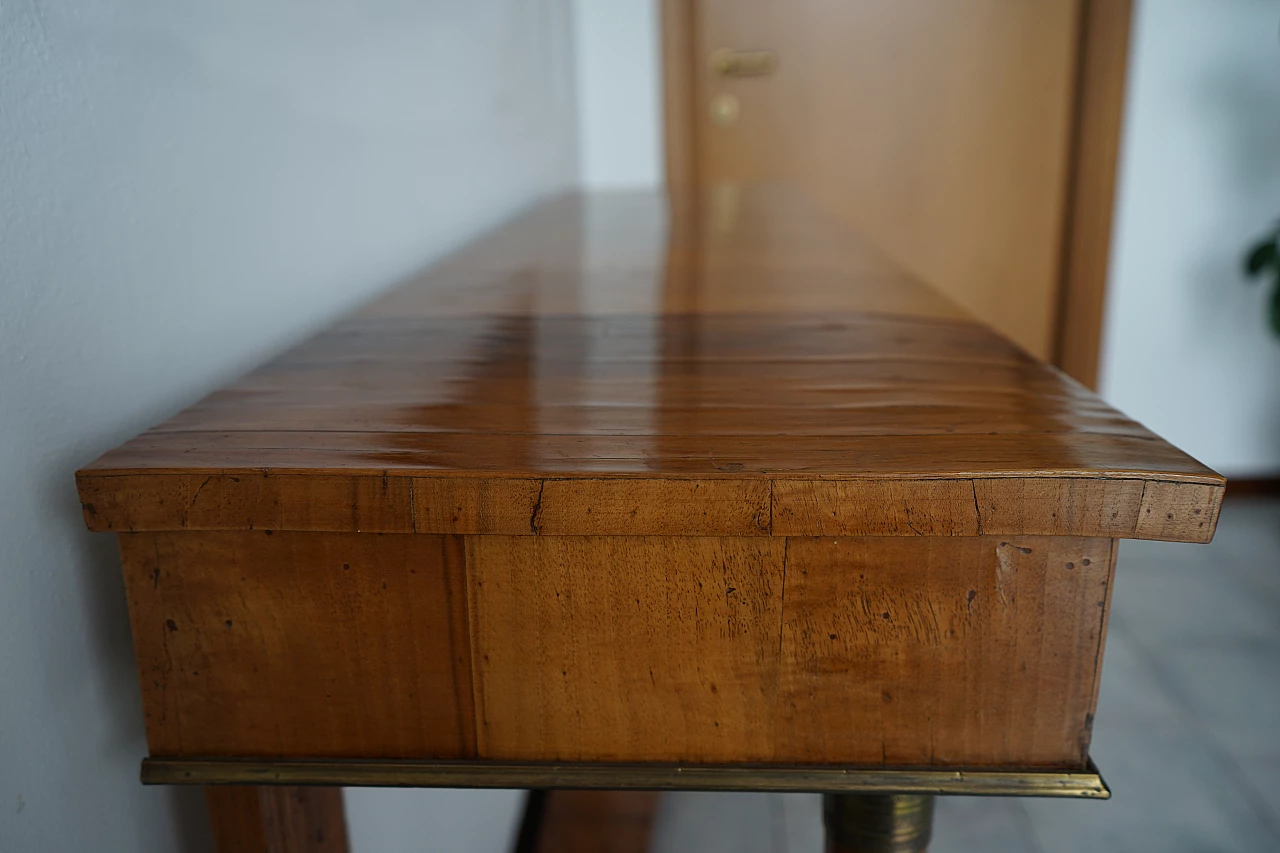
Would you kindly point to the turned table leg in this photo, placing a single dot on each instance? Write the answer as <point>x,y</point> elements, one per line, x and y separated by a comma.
<point>587,822</point>
<point>877,823</point>
<point>277,819</point>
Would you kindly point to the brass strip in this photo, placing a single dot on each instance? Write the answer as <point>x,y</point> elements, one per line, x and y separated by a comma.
<point>653,777</point>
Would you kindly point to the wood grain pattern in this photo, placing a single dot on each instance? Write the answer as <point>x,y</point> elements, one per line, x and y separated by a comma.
<point>290,644</point>
<point>957,651</point>
<point>277,819</point>
<point>920,506</point>
<point>586,507</point>
<point>666,380</point>
<point>876,508</point>
<point>620,648</point>
<point>250,500</point>
<point>1170,510</point>
<point>1046,506</point>
<point>577,648</point>
<point>974,651</point>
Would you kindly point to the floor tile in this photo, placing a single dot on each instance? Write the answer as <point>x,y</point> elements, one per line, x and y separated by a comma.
<point>987,824</point>
<point>1155,558</point>
<point>1249,532</point>
<point>1131,695</point>
<point>1263,772</point>
<point>1234,688</point>
<point>1173,791</point>
<point>1187,604</point>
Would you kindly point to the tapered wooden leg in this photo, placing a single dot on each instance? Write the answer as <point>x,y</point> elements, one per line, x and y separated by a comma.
<point>878,823</point>
<point>277,819</point>
<point>587,822</point>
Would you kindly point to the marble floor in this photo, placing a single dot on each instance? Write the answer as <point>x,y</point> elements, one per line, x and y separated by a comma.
<point>1187,734</point>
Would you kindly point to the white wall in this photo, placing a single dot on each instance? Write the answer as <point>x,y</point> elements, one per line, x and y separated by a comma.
<point>1186,349</point>
<point>619,92</point>
<point>185,188</point>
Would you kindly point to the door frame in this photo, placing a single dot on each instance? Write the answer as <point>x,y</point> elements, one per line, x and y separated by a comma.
<point>1097,113</point>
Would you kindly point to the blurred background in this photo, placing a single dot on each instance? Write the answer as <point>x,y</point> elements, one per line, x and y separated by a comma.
<point>187,188</point>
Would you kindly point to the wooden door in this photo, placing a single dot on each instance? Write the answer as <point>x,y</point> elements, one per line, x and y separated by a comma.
<point>972,140</point>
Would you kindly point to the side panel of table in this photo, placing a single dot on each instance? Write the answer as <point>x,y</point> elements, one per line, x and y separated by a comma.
<point>893,651</point>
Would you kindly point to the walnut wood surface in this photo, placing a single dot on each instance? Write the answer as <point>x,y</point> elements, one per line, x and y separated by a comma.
<point>976,651</point>
<point>952,651</point>
<point>893,651</point>
<point>295,644</point>
<point>743,367</point>
<point>715,488</point>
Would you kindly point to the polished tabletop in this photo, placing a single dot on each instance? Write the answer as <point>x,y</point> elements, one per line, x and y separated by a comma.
<point>610,363</point>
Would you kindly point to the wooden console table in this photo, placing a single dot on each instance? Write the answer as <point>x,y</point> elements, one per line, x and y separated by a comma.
<point>618,497</point>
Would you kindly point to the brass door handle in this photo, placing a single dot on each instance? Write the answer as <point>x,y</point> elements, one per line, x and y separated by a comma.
<point>743,63</point>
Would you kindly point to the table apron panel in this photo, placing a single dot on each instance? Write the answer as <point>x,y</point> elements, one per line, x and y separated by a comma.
<point>932,651</point>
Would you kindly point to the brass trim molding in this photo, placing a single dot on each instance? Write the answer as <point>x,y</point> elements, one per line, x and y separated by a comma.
<point>427,773</point>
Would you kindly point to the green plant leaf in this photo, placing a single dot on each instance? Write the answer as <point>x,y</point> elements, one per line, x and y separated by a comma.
<point>1263,255</point>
